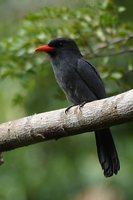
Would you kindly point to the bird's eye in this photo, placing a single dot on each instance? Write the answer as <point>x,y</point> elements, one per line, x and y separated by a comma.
<point>60,44</point>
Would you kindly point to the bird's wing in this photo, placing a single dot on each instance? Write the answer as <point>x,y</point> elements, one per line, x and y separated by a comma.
<point>91,78</point>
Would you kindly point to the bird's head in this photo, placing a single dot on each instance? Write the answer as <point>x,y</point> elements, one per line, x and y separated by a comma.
<point>59,46</point>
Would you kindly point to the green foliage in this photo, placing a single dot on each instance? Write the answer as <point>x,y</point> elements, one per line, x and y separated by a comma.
<point>97,30</point>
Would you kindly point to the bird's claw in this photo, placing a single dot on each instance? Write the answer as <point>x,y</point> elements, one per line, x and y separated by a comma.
<point>82,105</point>
<point>67,109</point>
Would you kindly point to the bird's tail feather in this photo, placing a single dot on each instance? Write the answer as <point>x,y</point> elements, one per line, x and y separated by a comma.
<point>107,153</point>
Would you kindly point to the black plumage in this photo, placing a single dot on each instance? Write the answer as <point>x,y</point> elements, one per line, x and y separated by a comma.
<point>81,83</point>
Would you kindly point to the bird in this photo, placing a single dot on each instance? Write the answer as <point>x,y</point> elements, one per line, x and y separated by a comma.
<point>81,83</point>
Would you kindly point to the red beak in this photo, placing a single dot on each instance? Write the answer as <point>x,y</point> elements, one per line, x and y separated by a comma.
<point>45,48</point>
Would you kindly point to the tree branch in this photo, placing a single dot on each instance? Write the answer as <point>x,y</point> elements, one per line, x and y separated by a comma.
<point>116,53</point>
<point>103,46</point>
<point>113,42</point>
<point>57,124</point>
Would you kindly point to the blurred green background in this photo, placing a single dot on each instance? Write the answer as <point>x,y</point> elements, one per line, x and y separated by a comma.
<point>67,169</point>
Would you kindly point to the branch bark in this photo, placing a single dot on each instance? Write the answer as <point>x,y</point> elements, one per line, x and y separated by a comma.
<point>57,124</point>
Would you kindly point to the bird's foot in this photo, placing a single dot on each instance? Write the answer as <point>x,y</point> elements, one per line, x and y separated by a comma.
<point>82,105</point>
<point>68,108</point>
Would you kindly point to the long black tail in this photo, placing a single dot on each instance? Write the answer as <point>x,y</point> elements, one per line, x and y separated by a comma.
<point>107,153</point>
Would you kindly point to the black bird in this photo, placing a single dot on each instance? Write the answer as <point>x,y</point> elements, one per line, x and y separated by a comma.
<point>81,83</point>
